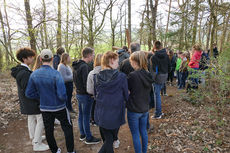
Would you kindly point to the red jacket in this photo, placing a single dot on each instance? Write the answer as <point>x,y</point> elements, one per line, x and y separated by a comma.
<point>194,62</point>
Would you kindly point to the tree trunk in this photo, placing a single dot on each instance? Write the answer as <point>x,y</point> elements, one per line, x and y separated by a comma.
<point>125,21</point>
<point>42,38</point>
<point>194,30</point>
<point>181,37</point>
<point>44,24</point>
<point>67,29</point>
<point>9,30</point>
<point>225,27</point>
<point>142,24</point>
<point>112,26</point>
<point>167,26</point>
<point>82,24</point>
<point>121,37</point>
<point>30,25</point>
<point>149,25</point>
<point>1,58</point>
<point>209,33</point>
<point>59,41</point>
<point>4,38</point>
<point>129,19</point>
<point>154,17</point>
<point>200,42</point>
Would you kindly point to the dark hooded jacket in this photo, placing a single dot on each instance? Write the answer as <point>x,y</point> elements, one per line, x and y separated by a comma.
<point>80,74</point>
<point>160,66</point>
<point>111,94</point>
<point>122,55</point>
<point>140,84</point>
<point>126,67</point>
<point>56,61</point>
<point>22,75</point>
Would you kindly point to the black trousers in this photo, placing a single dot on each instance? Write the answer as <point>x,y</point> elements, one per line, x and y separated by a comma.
<point>108,136</point>
<point>92,111</point>
<point>66,125</point>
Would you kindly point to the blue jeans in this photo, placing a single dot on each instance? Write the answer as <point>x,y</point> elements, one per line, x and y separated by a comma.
<point>183,79</point>
<point>84,105</point>
<point>69,91</point>
<point>178,78</point>
<point>137,124</point>
<point>157,92</point>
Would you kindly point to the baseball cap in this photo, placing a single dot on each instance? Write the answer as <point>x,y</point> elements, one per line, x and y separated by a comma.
<point>46,54</point>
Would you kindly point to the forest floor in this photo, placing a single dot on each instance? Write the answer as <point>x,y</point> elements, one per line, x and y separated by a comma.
<point>184,128</point>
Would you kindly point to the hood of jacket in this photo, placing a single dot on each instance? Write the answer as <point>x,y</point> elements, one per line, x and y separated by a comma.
<point>77,64</point>
<point>106,76</point>
<point>96,70</point>
<point>17,69</point>
<point>161,54</point>
<point>145,77</point>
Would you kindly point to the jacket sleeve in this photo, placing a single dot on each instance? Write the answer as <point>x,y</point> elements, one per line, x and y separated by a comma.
<point>31,90</point>
<point>61,89</point>
<point>24,80</point>
<point>90,84</point>
<point>125,89</point>
<point>169,65</point>
<point>85,72</point>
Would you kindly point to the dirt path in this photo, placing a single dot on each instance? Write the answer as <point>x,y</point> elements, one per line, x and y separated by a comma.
<point>184,128</point>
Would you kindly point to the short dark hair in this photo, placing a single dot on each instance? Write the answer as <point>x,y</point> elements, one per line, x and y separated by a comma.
<point>135,47</point>
<point>125,48</point>
<point>25,53</point>
<point>157,44</point>
<point>60,50</point>
<point>86,52</point>
<point>47,60</point>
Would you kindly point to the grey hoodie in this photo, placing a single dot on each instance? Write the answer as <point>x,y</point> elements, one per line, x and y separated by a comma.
<point>90,80</point>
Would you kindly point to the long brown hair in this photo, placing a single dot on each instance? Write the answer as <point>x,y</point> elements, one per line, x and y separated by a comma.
<point>140,58</point>
<point>38,63</point>
<point>97,60</point>
<point>64,58</point>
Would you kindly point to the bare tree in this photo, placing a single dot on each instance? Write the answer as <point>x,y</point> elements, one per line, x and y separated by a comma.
<point>167,26</point>
<point>129,20</point>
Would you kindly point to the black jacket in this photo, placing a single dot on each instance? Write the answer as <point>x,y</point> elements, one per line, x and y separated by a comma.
<point>22,75</point>
<point>126,67</point>
<point>140,84</point>
<point>80,74</point>
<point>160,66</point>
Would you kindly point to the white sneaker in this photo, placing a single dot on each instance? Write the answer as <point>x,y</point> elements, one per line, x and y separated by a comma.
<point>59,150</point>
<point>43,137</point>
<point>40,147</point>
<point>116,144</point>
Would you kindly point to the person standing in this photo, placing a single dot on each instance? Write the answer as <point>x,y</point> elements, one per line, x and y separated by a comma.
<point>67,76</point>
<point>85,101</point>
<point>111,93</point>
<point>47,84</point>
<point>57,57</point>
<point>178,64</point>
<point>172,58</point>
<point>29,107</point>
<point>139,84</point>
<point>183,71</point>
<point>160,68</point>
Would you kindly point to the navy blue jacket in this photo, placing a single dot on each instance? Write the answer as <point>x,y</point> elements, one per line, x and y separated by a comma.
<point>111,94</point>
<point>56,61</point>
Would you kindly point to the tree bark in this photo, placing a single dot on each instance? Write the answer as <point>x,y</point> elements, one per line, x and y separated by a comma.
<point>154,18</point>
<point>149,26</point>
<point>181,37</point>
<point>194,31</point>
<point>59,41</point>
<point>167,26</point>
<point>30,25</point>
<point>209,33</point>
<point>129,20</point>
<point>44,24</point>
<point>225,27</point>
<point>82,24</point>
<point>67,28</point>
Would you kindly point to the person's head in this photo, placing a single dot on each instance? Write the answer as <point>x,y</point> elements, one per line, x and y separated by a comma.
<point>135,47</point>
<point>38,63</point>
<point>138,60</point>
<point>25,55</point>
<point>196,47</point>
<point>97,60</point>
<point>125,48</point>
<point>65,59</point>
<point>60,51</point>
<point>87,54</point>
<point>46,57</point>
<point>179,54</point>
<point>157,45</point>
<point>170,54</point>
<point>110,60</point>
<point>183,55</point>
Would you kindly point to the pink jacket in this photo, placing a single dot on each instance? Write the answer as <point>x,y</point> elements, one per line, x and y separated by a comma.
<point>194,62</point>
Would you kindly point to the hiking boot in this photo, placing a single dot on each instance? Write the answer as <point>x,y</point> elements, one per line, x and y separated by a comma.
<point>116,144</point>
<point>82,138</point>
<point>40,147</point>
<point>93,140</point>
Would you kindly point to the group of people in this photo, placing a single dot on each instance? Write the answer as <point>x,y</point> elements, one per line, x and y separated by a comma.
<point>129,80</point>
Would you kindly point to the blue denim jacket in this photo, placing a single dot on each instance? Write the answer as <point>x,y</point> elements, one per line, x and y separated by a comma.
<point>47,85</point>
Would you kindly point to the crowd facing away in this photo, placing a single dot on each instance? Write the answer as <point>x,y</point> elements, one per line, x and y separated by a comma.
<point>107,86</point>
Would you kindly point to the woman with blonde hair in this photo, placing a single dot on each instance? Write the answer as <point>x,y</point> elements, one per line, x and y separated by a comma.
<point>67,76</point>
<point>111,93</point>
<point>38,63</point>
<point>140,84</point>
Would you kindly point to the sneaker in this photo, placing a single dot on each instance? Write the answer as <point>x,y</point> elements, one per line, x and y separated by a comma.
<point>43,137</point>
<point>165,95</point>
<point>93,140</point>
<point>82,137</point>
<point>40,147</point>
<point>159,117</point>
<point>116,144</point>
<point>59,150</point>
<point>93,123</point>
<point>57,122</point>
